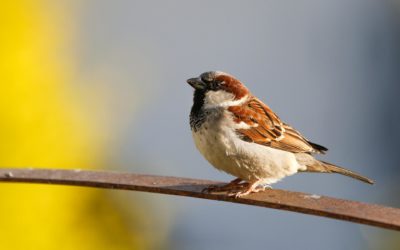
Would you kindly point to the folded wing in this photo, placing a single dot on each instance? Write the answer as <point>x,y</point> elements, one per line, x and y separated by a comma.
<point>267,129</point>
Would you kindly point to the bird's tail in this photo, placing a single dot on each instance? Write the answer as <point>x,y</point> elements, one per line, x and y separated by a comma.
<point>325,167</point>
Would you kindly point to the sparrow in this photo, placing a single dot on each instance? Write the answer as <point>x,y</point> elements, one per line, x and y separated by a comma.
<point>240,135</point>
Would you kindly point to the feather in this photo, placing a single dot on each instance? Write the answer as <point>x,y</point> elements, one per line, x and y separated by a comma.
<point>267,129</point>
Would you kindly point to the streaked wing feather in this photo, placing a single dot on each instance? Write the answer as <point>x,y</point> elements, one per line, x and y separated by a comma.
<point>267,129</point>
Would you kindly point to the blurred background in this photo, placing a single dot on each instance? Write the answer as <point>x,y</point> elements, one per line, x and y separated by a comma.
<point>101,84</point>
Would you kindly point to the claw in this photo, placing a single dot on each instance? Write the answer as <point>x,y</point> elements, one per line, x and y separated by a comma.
<point>237,189</point>
<point>254,187</point>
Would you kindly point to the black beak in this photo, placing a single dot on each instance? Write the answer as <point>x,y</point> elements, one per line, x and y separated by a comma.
<point>196,83</point>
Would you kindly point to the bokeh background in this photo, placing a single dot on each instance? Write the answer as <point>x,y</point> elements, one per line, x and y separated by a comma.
<point>101,84</point>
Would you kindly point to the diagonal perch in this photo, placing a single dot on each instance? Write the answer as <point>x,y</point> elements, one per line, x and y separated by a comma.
<point>363,213</point>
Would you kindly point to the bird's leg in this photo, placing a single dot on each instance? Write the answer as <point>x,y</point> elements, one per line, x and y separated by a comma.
<point>227,187</point>
<point>251,187</point>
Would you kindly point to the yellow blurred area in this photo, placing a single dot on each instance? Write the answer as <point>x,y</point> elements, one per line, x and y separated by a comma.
<point>43,124</point>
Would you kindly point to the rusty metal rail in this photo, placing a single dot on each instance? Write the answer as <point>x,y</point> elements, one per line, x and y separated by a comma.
<point>369,214</point>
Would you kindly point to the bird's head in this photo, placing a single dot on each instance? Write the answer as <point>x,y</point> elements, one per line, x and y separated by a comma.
<point>218,89</point>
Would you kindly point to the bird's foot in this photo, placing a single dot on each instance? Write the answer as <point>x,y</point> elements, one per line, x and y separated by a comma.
<point>235,184</point>
<point>253,187</point>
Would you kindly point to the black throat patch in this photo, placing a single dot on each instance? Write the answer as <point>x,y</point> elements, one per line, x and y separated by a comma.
<point>197,114</point>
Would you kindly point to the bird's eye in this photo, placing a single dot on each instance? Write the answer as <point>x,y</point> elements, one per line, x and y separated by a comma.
<point>215,85</point>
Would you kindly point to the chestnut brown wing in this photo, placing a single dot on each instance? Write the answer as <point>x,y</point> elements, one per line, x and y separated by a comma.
<point>267,129</point>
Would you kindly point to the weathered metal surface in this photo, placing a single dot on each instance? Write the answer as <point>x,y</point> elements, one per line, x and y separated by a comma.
<point>370,214</point>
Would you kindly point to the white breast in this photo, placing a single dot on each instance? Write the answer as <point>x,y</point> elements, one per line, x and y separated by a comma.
<point>222,147</point>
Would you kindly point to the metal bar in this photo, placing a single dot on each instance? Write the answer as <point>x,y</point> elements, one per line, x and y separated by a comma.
<point>369,214</point>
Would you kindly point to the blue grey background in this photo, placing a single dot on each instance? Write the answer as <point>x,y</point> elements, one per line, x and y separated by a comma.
<point>329,68</point>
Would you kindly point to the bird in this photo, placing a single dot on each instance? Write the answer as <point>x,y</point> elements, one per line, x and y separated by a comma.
<point>240,135</point>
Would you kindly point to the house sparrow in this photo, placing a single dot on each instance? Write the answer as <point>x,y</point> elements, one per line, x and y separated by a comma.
<point>240,135</point>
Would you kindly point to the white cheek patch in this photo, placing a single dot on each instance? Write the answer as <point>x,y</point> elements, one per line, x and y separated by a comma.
<point>221,98</point>
<point>216,98</point>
